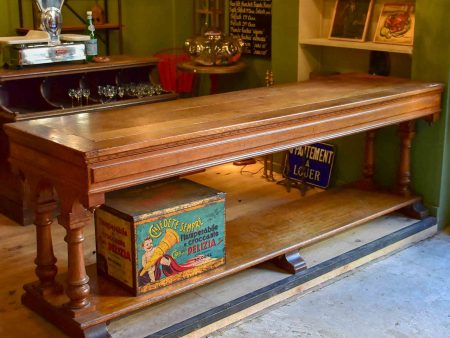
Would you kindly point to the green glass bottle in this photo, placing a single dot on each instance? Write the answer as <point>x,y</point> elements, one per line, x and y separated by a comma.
<point>91,44</point>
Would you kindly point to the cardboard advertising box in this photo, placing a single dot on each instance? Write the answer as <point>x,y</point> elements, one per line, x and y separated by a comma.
<point>154,235</point>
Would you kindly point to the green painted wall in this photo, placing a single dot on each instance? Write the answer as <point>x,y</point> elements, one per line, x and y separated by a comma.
<point>5,19</point>
<point>431,62</point>
<point>284,40</point>
<point>154,25</point>
<point>444,213</point>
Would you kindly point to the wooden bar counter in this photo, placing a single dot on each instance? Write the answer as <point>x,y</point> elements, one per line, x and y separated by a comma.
<point>84,156</point>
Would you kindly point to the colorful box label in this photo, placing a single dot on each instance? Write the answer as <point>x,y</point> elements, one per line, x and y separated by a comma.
<point>180,246</point>
<point>114,247</point>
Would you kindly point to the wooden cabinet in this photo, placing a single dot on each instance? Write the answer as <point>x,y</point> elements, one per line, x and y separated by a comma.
<point>43,91</point>
<point>318,53</point>
<point>39,92</point>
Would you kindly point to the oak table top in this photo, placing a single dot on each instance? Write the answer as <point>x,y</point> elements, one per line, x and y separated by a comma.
<point>114,149</point>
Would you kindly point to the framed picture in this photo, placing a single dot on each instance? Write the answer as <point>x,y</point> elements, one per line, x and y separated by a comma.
<point>396,24</point>
<point>350,19</point>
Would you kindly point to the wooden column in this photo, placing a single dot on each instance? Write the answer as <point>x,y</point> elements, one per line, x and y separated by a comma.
<point>369,160</point>
<point>45,205</point>
<point>268,168</point>
<point>406,131</point>
<point>74,217</point>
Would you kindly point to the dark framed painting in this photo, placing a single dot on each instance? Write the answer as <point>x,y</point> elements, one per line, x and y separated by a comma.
<point>351,19</point>
<point>396,24</point>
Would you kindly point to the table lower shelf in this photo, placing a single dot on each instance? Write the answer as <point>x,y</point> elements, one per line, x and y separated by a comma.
<point>250,239</point>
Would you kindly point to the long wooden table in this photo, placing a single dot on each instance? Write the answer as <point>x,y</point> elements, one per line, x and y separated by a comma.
<point>84,156</point>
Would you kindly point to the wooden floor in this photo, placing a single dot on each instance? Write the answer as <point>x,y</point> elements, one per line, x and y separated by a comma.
<point>250,200</point>
<point>17,252</point>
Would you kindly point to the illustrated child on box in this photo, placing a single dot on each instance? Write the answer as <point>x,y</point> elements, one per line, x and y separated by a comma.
<point>165,264</point>
<point>155,264</point>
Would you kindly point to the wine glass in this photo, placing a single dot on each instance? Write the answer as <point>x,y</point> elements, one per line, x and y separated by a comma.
<point>132,89</point>
<point>71,93</point>
<point>101,92</point>
<point>140,90</point>
<point>158,89</point>
<point>147,91</point>
<point>112,92</point>
<point>86,93</point>
<point>120,91</point>
<point>78,95</point>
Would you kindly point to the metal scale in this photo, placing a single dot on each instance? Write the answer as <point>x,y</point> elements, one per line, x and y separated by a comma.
<point>42,47</point>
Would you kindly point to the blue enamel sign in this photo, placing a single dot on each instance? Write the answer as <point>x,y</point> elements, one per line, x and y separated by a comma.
<point>310,164</point>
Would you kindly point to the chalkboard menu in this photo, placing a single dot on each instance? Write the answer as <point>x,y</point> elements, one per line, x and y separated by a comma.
<point>252,22</point>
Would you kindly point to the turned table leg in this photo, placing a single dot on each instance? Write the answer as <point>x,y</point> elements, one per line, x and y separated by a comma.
<point>268,168</point>
<point>74,217</point>
<point>40,296</point>
<point>407,131</point>
<point>45,261</point>
<point>77,280</point>
<point>369,158</point>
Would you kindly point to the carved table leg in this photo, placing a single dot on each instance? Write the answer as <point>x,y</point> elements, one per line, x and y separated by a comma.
<point>407,131</point>
<point>268,168</point>
<point>45,295</point>
<point>74,217</point>
<point>78,281</point>
<point>69,317</point>
<point>45,205</point>
<point>291,262</point>
<point>369,159</point>
<point>285,169</point>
